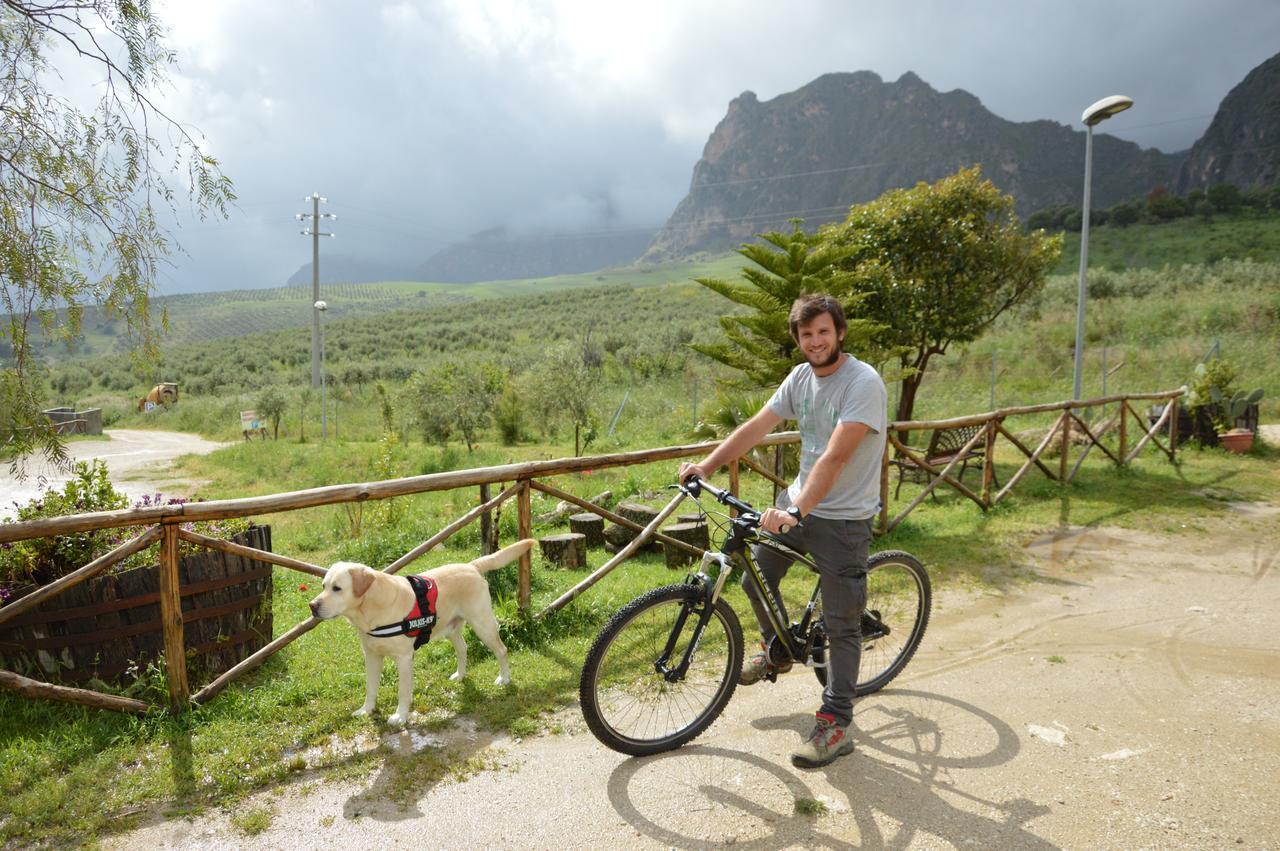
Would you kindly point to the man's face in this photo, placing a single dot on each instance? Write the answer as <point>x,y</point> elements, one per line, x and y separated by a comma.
<point>819,340</point>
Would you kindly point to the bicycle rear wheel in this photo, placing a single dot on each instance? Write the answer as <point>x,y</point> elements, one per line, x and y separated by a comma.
<point>899,599</point>
<point>634,708</point>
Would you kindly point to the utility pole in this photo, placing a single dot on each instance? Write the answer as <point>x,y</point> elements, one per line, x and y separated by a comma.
<point>314,232</point>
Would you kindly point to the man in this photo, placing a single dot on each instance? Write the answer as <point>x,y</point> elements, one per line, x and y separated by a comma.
<point>841,407</point>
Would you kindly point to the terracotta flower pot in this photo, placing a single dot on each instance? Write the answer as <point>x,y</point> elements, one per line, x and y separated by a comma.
<point>1237,441</point>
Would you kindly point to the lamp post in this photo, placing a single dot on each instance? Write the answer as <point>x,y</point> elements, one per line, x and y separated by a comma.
<point>321,307</point>
<point>1095,114</point>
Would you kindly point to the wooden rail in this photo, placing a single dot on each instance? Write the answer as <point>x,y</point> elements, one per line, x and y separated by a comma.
<point>165,521</point>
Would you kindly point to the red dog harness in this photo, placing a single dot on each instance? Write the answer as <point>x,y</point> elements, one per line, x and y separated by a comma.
<point>420,621</point>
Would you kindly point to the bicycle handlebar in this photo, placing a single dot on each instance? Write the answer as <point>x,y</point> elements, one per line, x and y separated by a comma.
<point>694,485</point>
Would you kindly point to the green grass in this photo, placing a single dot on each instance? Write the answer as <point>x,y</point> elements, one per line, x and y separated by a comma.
<point>1239,236</point>
<point>69,772</point>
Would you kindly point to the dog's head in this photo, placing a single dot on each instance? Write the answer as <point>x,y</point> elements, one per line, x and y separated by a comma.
<point>345,584</point>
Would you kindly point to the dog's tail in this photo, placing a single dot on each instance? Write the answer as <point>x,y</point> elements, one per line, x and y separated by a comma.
<point>504,556</point>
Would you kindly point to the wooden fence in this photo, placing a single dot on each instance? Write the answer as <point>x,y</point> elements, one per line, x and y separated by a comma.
<point>162,523</point>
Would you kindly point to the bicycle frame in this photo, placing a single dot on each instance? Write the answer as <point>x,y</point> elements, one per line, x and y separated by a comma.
<point>737,545</point>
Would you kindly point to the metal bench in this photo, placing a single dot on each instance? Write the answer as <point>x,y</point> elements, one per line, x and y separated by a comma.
<point>944,444</point>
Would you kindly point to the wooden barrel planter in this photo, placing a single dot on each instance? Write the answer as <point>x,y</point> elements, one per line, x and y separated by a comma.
<point>108,627</point>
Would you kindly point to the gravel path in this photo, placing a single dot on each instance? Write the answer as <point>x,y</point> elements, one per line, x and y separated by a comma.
<point>1127,696</point>
<point>139,462</point>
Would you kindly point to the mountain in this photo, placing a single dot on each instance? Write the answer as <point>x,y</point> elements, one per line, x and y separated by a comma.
<point>1242,144</point>
<point>496,255</point>
<point>493,255</point>
<point>344,269</point>
<point>847,138</point>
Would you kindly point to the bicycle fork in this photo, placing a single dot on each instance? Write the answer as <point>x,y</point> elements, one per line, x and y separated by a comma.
<point>711,593</point>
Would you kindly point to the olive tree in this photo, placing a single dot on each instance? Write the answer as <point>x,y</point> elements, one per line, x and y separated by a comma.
<point>83,191</point>
<point>456,395</point>
<point>937,264</point>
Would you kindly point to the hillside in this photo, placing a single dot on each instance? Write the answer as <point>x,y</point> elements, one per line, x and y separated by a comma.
<point>202,317</point>
<point>1243,236</point>
<point>1240,145</point>
<point>846,138</point>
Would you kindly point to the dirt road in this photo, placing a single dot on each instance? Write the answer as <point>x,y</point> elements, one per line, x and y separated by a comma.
<point>1127,696</point>
<point>139,462</point>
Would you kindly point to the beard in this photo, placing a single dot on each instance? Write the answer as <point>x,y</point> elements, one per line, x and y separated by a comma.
<point>835,355</point>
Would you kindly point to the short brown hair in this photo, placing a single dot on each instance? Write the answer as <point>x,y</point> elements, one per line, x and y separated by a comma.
<point>812,305</point>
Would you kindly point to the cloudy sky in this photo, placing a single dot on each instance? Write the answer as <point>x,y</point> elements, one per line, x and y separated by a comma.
<point>423,121</point>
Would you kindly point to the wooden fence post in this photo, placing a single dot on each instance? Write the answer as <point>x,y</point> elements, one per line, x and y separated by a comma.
<point>884,488</point>
<point>989,461</point>
<point>175,653</point>
<point>1173,430</point>
<point>525,523</point>
<point>734,469</point>
<point>1066,446</point>
<point>486,524</point>
<point>1124,428</point>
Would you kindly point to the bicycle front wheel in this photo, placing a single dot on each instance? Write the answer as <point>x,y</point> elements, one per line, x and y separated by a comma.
<point>899,599</point>
<point>633,707</point>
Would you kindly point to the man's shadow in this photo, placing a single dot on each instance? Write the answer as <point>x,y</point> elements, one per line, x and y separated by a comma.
<point>898,784</point>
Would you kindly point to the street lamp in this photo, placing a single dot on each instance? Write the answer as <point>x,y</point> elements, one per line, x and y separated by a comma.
<point>1095,114</point>
<point>321,307</point>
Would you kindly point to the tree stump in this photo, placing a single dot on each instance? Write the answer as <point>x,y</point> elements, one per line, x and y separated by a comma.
<point>636,513</point>
<point>590,525</point>
<point>690,518</point>
<point>691,533</point>
<point>567,551</point>
<point>617,536</point>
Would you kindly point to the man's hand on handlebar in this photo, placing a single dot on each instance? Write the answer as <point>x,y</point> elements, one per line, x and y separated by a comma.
<point>777,521</point>
<point>687,470</point>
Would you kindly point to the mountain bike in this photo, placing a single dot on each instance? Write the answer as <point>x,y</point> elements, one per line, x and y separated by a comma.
<point>665,665</point>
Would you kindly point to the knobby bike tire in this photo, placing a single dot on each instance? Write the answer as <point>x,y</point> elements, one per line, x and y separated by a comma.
<point>898,587</point>
<point>633,709</point>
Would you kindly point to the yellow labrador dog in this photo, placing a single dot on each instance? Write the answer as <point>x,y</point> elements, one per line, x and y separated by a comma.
<point>388,607</point>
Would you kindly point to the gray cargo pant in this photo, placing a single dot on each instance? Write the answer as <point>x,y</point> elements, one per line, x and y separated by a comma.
<point>840,548</point>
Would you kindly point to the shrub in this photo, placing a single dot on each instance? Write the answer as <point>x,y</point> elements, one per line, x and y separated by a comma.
<point>39,561</point>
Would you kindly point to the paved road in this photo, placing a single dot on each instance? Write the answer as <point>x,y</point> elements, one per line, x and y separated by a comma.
<point>139,462</point>
<point>1127,696</point>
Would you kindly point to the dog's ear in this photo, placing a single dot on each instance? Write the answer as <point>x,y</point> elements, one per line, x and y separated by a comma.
<point>361,579</point>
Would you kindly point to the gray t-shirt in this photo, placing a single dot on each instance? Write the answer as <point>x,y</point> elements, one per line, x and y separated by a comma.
<point>854,393</point>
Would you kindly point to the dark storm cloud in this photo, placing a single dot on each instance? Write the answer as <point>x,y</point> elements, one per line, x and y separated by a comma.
<point>424,122</point>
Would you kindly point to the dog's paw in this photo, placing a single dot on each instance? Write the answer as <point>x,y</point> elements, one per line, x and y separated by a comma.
<point>456,675</point>
<point>398,720</point>
<point>502,680</point>
<point>362,712</point>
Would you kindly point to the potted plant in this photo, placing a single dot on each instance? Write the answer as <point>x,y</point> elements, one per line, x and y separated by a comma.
<point>1218,408</point>
<point>107,628</point>
<point>1227,413</point>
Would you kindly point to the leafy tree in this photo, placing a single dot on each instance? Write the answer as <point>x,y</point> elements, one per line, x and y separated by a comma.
<point>79,190</point>
<point>270,405</point>
<point>304,399</point>
<point>458,393</point>
<point>1124,214</point>
<point>1164,205</point>
<point>759,344</point>
<point>937,264</point>
<point>564,383</point>
<point>1224,197</point>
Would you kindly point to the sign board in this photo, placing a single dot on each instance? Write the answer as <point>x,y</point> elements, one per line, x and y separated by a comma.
<point>249,421</point>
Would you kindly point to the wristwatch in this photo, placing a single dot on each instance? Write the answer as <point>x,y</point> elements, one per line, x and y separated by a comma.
<point>794,513</point>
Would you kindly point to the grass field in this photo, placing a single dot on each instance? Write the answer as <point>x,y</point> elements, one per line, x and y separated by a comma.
<point>70,774</point>
<point>1239,236</point>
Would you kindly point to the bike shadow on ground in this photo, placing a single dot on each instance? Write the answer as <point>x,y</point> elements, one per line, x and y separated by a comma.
<point>899,786</point>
